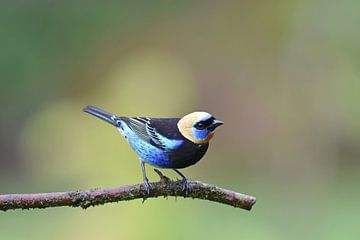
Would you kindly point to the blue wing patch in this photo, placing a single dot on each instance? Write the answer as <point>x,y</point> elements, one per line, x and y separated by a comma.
<point>143,129</point>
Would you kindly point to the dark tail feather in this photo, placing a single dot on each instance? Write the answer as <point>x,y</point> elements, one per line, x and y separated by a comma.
<point>97,112</point>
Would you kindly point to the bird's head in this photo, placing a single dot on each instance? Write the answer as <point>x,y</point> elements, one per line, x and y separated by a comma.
<point>198,127</point>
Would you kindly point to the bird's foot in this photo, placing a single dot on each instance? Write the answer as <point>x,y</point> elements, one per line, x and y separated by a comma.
<point>186,186</point>
<point>147,186</point>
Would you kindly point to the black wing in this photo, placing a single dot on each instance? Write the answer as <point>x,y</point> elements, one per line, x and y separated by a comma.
<point>160,132</point>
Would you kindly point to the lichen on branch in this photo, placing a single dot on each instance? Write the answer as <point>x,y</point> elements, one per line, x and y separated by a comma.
<point>94,197</point>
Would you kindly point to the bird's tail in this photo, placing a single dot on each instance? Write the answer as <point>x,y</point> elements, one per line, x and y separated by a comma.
<point>97,112</point>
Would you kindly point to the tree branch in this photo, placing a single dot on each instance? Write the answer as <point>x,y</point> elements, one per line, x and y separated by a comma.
<point>87,198</point>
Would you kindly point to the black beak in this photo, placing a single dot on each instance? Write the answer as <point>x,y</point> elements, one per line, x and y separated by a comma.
<point>216,123</point>
<point>97,112</point>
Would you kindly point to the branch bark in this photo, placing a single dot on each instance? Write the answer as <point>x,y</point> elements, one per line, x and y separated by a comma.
<point>94,197</point>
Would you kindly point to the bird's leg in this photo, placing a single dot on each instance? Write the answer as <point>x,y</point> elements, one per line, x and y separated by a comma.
<point>147,185</point>
<point>186,187</point>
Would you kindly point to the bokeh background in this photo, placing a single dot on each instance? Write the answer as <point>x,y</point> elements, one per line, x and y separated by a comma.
<point>284,76</point>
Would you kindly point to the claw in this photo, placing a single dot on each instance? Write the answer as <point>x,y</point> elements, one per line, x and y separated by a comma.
<point>147,186</point>
<point>186,187</point>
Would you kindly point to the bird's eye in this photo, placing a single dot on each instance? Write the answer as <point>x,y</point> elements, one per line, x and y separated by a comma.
<point>200,125</point>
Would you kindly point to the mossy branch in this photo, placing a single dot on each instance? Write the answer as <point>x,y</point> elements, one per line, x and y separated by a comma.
<point>94,197</point>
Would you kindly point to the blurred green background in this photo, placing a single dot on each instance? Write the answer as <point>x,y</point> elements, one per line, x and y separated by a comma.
<point>284,76</point>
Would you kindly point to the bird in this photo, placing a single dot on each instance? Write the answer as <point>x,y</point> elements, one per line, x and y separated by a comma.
<point>170,143</point>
